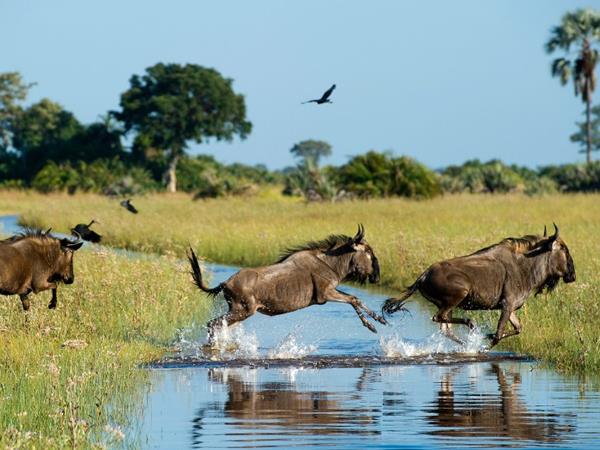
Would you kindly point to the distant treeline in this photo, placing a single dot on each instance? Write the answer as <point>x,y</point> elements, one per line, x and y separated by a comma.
<point>370,175</point>
<point>45,147</point>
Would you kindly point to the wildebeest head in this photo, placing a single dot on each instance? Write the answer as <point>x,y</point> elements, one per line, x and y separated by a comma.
<point>63,266</point>
<point>560,262</point>
<point>364,263</point>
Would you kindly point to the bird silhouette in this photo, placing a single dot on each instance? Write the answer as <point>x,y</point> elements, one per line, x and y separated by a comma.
<point>128,206</point>
<point>83,231</point>
<point>324,98</point>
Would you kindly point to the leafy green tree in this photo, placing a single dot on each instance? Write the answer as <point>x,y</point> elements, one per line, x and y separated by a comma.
<point>311,151</point>
<point>172,104</point>
<point>580,28</point>
<point>376,174</point>
<point>13,91</point>
<point>41,133</point>
<point>581,137</point>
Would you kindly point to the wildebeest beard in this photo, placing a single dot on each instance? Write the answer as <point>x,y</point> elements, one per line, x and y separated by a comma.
<point>549,285</point>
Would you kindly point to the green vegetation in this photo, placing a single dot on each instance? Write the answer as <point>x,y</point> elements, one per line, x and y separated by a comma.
<point>560,328</point>
<point>70,378</point>
<point>579,29</point>
<point>172,104</point>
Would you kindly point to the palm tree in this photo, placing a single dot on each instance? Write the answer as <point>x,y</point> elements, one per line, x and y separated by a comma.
<point>581,29</point>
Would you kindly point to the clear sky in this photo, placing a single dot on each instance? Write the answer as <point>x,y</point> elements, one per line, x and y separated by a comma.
<point>441,81</point>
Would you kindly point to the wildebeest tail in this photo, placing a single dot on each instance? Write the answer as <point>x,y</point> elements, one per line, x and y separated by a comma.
<point>197,275</point>
<point>393,304</point>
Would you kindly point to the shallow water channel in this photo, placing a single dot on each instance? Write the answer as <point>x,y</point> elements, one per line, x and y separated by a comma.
<point>318,378</point>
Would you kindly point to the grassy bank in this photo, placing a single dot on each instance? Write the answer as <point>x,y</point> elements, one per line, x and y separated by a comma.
<point>407,236</point>
<point>69,378</point>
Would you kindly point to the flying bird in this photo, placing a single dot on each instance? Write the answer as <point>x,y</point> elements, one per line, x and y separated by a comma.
<point>128,206</point>
<point>324,98</point>
<point>83,231</point>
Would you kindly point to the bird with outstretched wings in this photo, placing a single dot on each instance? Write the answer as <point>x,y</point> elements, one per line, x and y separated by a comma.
<point>324,98</point>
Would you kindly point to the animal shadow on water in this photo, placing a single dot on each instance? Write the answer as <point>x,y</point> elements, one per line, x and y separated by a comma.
<point>261,407</point>
<point>35,261</point>
<point>498,277</point>
<point>473,414</point>
<point>304,276</point>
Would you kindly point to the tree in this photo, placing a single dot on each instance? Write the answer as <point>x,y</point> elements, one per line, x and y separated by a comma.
<point>582,29</point>
<point>172,104</point>
<point>311,151</point>
<point>12,92</point>
<point>42,133</point>
<point>581,136</point>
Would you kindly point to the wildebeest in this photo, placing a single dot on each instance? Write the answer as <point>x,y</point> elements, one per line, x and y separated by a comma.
<point>35,261</point>
<point>501,276</point>
<point>86,233</point>
<point>304,276</point>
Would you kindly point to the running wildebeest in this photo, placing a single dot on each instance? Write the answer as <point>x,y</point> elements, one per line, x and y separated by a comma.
<point>324,98</point>
<point>35,261</point>
<point>501,276</point>
<point>304,276</point>
<point>129,206</point>
<point>84,232</point>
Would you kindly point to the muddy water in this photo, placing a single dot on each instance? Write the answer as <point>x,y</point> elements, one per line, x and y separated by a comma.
<point>318,378</point>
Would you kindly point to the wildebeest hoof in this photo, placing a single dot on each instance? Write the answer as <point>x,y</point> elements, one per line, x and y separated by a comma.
<point>370,327</point>
<point>51,305</point>
<point>381,320</point>
<point>494,339</point>
<point>470,324</point>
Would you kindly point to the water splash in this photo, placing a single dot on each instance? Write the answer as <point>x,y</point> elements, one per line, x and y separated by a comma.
<point>290,348</point>
<point>234,342</point>
<point>395,345</point>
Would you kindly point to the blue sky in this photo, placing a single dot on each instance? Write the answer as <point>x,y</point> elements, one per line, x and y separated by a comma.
<point>441,81</point>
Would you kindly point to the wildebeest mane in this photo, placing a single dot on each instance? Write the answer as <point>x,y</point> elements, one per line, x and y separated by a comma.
<point>522,244</point>
<point>331,242</point>
<point>29,233</point>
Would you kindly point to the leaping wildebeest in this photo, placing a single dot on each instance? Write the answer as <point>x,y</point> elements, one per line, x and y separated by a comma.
<point>501,276</point>
<point>35,261</point>
<point>305,275</point>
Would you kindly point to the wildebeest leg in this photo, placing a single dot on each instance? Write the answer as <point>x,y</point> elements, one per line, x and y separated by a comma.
<point>229,319</point>
<point>504,316</point>
<point>338,296</point>
<point>52,303</point>
<point>25,302</point>
<point>514,320</point>
<point>444,318</point>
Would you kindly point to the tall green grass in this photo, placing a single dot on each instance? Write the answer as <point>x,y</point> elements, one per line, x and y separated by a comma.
<point>407,236</point>
<point>70,378</point>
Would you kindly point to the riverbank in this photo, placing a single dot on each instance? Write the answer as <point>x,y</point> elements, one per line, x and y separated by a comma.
<point>560,328</point>
<point>70,378</point>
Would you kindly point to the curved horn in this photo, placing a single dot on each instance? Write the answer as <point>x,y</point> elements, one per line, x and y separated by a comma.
<point>77,235</point>
<point>360,234</point>
<point>555,235</point>
<point>48,231</point>
<point>545,231</point>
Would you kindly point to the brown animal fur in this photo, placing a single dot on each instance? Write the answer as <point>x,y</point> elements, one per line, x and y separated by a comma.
<point>303,276</point>
<point>35,261</point>
<point>501,276</point>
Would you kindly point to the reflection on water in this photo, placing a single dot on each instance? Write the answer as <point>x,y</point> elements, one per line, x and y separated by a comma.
<point>471,405</point>
<point>501,414</point>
